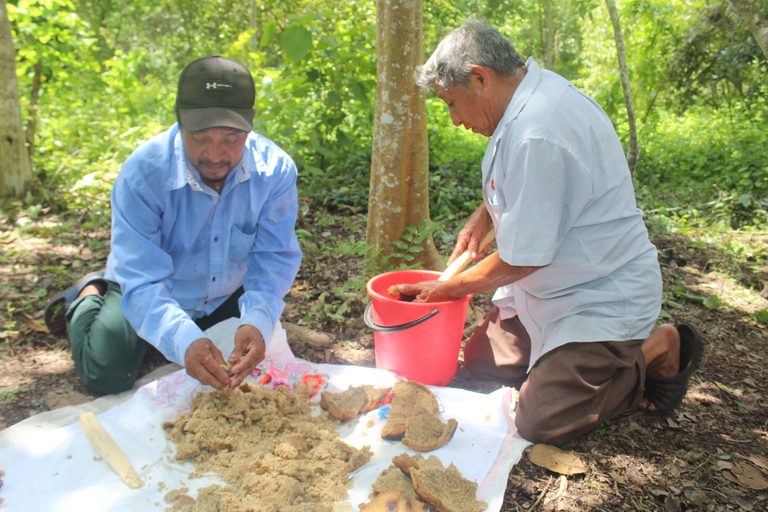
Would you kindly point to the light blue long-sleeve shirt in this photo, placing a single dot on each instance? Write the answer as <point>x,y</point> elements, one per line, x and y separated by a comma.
<point>179,249</point>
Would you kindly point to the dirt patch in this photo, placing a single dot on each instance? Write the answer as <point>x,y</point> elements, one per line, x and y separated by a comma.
<point>693,460</point>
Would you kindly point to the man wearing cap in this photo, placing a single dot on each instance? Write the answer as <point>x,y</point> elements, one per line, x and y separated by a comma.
<point>203,229</point>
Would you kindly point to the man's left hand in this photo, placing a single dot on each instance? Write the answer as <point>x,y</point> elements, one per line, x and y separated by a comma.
<point>248,352</point>
<point>426,291</point>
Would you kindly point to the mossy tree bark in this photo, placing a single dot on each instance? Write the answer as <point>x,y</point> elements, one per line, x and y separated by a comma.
<point>399,189</point>
<point>756,20</point>
<point>15,168</point>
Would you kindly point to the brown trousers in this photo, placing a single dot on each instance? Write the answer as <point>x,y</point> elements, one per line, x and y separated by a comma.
<point>570,390</point>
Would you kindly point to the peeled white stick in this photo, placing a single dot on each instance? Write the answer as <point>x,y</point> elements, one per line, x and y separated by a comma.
<point>108,449</point>
<point>464,259</point>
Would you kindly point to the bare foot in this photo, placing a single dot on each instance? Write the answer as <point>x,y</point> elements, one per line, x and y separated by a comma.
<point>662,356</point>
<point>90,289</point>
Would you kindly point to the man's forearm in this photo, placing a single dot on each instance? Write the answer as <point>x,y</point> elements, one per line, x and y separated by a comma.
<point>487,275</point>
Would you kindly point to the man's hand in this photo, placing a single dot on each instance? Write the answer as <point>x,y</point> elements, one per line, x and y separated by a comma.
<point>478,225</point>
<point>427,291</point>
<point>248,352</point>
<point>203,361</point>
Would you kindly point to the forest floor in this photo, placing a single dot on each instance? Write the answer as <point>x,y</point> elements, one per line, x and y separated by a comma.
<point>711,454</point>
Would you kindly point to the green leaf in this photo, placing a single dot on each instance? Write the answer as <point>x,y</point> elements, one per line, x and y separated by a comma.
<point>673,304</point>
<point>724,388</point>
<point>296,42</point>
<point>401,245</point>
<point>762,316</point>
<point>270,28</point>
<point>359,93</point>
<point>712,302</point>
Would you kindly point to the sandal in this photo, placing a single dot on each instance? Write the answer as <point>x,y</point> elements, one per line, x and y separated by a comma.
<point>668,393</point>
<point>57,307</point>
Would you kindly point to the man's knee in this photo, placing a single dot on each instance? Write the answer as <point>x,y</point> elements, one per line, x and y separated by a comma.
<point>547,430</point>
<point>110,357</point>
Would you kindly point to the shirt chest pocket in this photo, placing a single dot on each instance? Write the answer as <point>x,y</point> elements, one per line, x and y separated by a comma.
<point>240,244</point>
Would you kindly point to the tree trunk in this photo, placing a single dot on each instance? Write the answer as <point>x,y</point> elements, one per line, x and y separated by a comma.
<point>758,24</point>
<point>549,50</point>
<point>254,27</point>
<point>15,169</point>
<point>34,96</point>
<point>399,190</point>
<point>632,150</point>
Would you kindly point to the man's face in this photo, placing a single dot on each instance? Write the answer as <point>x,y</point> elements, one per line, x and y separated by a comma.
<point>214,152</point>
<point>471,107</point>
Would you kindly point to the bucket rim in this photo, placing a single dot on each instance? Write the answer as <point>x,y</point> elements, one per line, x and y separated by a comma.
<point>435,273</point>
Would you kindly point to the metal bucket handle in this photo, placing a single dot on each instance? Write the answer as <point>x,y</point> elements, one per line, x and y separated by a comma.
<point>394,328</point>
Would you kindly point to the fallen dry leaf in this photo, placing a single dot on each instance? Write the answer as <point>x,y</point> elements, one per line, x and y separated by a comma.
<point>747,476</point>
<point>617,477</point>
<point>759,462</point>
<point>34,324</point>
<point>555,459</point>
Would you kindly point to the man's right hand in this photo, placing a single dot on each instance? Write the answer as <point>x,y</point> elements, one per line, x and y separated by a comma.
<point>473,232</point>
<point>203,361</point>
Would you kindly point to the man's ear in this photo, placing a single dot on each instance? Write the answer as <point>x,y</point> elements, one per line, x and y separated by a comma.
<point>483,76</point>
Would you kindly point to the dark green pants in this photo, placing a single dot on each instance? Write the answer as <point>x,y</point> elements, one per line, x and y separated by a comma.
<point>105,348</point>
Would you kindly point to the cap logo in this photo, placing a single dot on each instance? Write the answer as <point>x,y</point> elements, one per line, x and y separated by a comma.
<point>217,85</point>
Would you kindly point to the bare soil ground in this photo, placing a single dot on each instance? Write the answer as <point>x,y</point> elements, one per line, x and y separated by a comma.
<point>712,454</point>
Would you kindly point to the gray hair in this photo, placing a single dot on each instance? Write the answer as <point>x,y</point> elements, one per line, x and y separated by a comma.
<point>474,43</point>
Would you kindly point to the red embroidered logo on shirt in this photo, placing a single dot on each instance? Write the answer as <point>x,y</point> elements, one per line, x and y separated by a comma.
<point>493,184</point>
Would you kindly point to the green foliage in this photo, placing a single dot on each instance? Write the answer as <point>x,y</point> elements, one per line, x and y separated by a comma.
<point>714,164</point>
<point>10,324</point>
<point>109,69</point>
<point>410,244</point>
<point>10,394</point>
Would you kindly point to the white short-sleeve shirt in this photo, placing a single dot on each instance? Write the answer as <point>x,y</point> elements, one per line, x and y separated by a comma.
<point>557,185</point>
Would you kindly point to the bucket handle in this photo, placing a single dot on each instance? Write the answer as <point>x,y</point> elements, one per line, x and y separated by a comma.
<point>394,328</point>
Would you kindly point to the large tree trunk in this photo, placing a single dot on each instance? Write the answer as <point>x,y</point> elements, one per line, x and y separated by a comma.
<point>399,192</point>
<point>15,169</point>
<point>632,150</point>
<point>758,24</point>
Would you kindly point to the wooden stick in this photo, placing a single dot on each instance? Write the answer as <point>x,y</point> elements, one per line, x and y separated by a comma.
<point>108,449</point>
<point>464,259</point>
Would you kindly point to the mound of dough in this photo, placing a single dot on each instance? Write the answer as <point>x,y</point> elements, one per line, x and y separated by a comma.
<point>446,489</point>
<point>267,447</point>
<point>407,396</point>
<point>355,400</point>
<point>393,501</point>
<point>425,431</point>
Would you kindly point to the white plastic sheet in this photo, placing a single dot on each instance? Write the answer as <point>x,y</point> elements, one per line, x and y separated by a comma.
<point>58,470</point>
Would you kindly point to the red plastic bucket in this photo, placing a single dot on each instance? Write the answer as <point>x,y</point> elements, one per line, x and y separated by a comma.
<point>417,341</point>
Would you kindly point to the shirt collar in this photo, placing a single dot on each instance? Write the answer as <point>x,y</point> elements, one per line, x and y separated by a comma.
<point>186,174</point>
<point>523,93</point>
<point>520,98</point>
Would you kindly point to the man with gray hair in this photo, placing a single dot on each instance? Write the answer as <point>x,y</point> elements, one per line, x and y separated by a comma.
<point>578,286</point>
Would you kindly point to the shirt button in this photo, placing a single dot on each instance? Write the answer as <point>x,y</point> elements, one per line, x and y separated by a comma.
<point>215,239</point>
<point>214,278</point>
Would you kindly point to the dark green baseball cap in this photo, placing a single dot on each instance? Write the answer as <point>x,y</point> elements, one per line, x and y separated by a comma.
<point>215,92</point>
